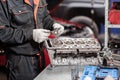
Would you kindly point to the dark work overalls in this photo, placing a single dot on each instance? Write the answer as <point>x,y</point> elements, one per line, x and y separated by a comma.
<point>18,18</point>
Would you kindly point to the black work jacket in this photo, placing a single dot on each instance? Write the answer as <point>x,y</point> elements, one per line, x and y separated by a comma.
<point>18,18</point>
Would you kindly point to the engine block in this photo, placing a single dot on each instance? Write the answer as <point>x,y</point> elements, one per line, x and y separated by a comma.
<point>71,51</point>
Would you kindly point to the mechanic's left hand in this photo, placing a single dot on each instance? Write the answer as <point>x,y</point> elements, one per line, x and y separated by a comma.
<point>58,29</point>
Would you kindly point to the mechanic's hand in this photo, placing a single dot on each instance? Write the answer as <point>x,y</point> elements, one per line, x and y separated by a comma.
<point>40,35</point>
<point>58,29</point>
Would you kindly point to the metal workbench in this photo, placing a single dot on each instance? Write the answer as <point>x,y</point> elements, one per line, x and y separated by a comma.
<point>61,73</point>
<point>58,73</point>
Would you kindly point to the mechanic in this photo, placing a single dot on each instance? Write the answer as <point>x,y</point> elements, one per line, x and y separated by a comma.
<point>24,26</point>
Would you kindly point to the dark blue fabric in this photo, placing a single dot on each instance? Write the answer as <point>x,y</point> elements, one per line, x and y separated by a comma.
<point>31,1</point>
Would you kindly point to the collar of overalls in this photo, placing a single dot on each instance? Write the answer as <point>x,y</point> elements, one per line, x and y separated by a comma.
<point>36,5</point>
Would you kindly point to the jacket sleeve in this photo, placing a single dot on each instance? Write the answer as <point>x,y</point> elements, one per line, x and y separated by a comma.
<point>7,33</point>
<point>48,21</point>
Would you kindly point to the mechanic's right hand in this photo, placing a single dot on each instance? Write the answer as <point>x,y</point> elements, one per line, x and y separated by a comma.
<point>40,35</point>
